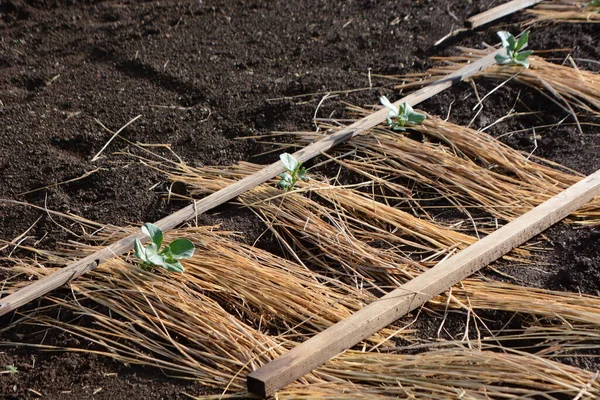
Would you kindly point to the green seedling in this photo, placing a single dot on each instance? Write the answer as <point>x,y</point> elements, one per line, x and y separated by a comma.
<point>513,47</point>
<point>594,3</point>
<point>400,117</point>
<point>11,369</point>
<point>294,171</point>
<point>168,257</point>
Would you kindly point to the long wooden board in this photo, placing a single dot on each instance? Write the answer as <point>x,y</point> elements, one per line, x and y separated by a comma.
<point>498,12</point>
<point>77,268</point>
<point>379,314</point>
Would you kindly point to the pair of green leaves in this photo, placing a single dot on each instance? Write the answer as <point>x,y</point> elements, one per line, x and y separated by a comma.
<point>294,171</point>
<point>513,47</point>
<point>399,117</point>
<point>168,257</point>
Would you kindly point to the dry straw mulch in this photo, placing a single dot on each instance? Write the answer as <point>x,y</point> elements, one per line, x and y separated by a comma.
<point>574,89</point>
<point>563,11</point>
<point>237,306</point>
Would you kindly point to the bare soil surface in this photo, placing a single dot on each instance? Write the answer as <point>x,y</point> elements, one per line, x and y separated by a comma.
<point>202,74</point>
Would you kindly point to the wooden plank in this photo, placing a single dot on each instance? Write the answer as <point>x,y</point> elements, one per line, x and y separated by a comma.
<point>379,314</point>
<point>498,12</point>
<point>490,15</point>
<point>77,268</point>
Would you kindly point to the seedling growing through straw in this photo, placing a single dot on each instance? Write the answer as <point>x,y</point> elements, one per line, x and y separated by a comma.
<point>168,257</point>
<point>399,118</point>
<point>294,171</point>
<point>513,49</point>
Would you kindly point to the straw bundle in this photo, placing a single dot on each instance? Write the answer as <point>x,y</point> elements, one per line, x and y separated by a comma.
<point>339,240</point>
<point>565,85</point>
<point>562,306</point>
<point>245,278</point>
<point>572,11</point>
<point>208,322</point>
<point>551,340</point>
<point>469,169</point>
<point>172,322</point>
<point>143,318</point>
<point>349,225</point>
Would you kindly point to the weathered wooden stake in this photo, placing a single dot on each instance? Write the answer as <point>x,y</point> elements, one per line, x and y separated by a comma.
<point>379,314</point>
<point>77,268</point>
<point>498,12</point>
<point>489,16</point>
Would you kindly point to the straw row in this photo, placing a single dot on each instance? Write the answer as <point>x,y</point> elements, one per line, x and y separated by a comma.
<point>567,85</point>
<point>571,11</point>
<point>470,169</point>
<point>322,234</point>
<point>175,324</point>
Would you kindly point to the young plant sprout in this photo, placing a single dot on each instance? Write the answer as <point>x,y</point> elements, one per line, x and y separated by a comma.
<point>513,49</point>
<point>10,369</point>
<point>294,171</point>
<point>168,257</point>
<point>594,3</point>
<point>399,118</point>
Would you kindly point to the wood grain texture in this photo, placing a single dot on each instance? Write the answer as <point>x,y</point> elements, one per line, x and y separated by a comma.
<point>77,268</point>
<point>367,321</point>
<point>498,12</point>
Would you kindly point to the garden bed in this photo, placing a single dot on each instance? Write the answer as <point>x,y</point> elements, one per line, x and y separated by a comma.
<point>204,75</point>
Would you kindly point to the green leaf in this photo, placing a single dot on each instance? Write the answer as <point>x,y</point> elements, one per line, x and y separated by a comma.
<point>287,181</point>
<point>512,42</point>
<point>302,174</point>
<point>139,251</point>
<point>524,63</point>
<point>508,40</point>
<point>524,55</point>
<point>289,162</point>
<point>402,117</point>
<point>393,109</point>
<point>182,248</point>
<point>416,118</point>
<point>157,259</point>
<point>173,266</point>
<point>153,256</point>
<point>151,250</point>
<point>154,232</point>
<point>522,43</point>
<point>407,109</point>
<point>502,59</point>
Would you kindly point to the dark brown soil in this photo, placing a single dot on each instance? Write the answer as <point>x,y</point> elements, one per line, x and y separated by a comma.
<point>203,73</point>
